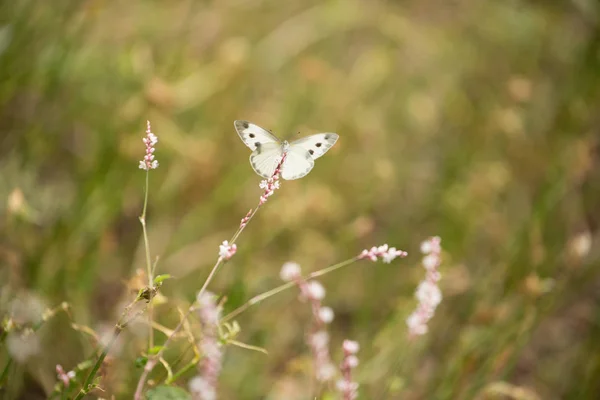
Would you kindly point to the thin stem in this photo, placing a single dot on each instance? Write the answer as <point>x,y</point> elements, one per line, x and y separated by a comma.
<point>257,299</point>
<point>5,372</point>
<point>235,236</point>
<point>119,326</point>
<point>182,371</point>
<point>149,268</point>
<point>263,296</point>
<point>90,378</point>
<point>152,362</point>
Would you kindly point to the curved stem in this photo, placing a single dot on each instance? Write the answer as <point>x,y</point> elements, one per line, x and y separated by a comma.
<point>263,296</point>
<point>90,378</point>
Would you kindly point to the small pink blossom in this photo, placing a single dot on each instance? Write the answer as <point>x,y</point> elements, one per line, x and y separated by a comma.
<point>346,386</point>
<point>290,271</point>
<point>150,140</point>
<point>428,292</point>
<point>64,377</point>
<point>350,346</point>
<point>387,254</point>
<point>271,184</point>
<point>318,338</point>
<point>245,220</point>
<point>204,386</point>
<point>201,389</point>
<point>326,314</point>
<point>352,361</point>
<point>315,290</point>
<point>226,250</point>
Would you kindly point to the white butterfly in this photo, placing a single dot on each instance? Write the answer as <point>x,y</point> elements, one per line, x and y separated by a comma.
<point>267,151</point>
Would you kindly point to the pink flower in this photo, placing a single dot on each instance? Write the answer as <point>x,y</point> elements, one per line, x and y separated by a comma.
<point>204,386</point>
<point>271,184</point>
<point>290,271</point>
<point>386,254</point>
<point>318,338</point>
<point>226,250</point>
<point>315,290</point>
<point>150,140</point>
<point>346,386</point>
<point>65,377</point>
<point>428,292</point>
<point>350,346</point>
<point>326,314</point>
<point>245,220</point>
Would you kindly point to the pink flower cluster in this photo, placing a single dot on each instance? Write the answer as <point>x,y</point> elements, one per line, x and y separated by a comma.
<point>346,386</point>
<point>226,250</point>
<point>387,254</point>
<point>317,338</point>
<point>428,293</point>
<point>150,140</point>
<point>271,184</point>
<point>204,386</point>
<point>245,220</point>
<point>64,377</point>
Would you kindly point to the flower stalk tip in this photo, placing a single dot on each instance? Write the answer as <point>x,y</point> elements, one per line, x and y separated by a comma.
<point>386,253</point>
<point>150,141</point>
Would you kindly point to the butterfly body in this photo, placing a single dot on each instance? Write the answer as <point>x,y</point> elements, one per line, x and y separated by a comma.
<point>267,151</point>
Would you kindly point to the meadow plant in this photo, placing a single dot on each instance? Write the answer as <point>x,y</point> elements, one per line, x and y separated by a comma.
<point>204,386</point>
<point>346,386</point>
<point>428,292</point>
<point>217,330</point>
<point>318,338</point>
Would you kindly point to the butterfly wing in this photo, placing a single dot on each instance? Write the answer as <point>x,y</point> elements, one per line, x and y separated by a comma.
<point>253,135</point>
<point>316,145</point>
<point>265,158</point>
<point>298,162</point>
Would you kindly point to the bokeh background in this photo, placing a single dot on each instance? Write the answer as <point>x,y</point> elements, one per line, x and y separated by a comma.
<point>473,120</point>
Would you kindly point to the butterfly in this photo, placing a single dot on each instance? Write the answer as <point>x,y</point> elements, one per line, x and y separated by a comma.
<point>267,151</point>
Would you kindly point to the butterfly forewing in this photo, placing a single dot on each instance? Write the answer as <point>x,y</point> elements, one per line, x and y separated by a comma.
<point>316,145</point>
<point>253,135</point>
<point>298,162</point>
<point>265,159</point>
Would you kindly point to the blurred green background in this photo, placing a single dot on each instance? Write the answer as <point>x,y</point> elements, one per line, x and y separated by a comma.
<point>473,120</point>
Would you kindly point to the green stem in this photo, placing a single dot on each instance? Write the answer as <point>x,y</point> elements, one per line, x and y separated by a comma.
<point>149,269</point>
<point>263,296</point>
<point>90,378</point>
<point>182,371</point>
<point>5,372</point>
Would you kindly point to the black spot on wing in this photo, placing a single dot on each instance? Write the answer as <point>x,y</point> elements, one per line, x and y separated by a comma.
<point>245,124</point>
<point>257,145</point>
<point>318,144</point>
<point>252,135</point>
<point>311,151</point>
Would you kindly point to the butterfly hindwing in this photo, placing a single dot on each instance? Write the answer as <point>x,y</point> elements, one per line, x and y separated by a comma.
<point>298,162</point>
<point>265,159</point>
<point>253,135</point>
<point>316,145</point>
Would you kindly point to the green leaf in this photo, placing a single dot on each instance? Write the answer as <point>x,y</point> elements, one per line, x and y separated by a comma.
<point>161,278</point>
<point>167,393</point>
<point>141,361</point>
<point>154,350</point>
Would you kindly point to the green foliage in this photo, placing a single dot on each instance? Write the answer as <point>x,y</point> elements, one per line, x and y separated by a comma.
<point>167,393</point>
<point>475,121</point>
